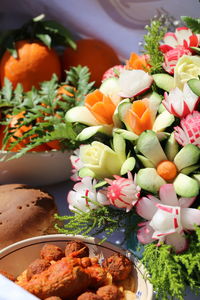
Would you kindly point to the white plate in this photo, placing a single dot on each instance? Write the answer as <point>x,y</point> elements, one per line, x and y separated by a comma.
<point>36,168</point>
<point>15,258</point>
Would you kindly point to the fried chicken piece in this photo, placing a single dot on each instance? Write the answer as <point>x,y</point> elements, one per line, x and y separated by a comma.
<point>51,252</point>
<point>65,278</point>
<point>89,296</point>
<point>36,267</point>
<point>119,266</point>
<point>110,292</point>
<point>98,276</point>
<point>76,249</point>
<point>7,275</point>
<point>89,261</point>
<point>53,298</point>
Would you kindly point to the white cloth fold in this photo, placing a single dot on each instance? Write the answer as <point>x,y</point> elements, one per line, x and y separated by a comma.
<point>11,291</point>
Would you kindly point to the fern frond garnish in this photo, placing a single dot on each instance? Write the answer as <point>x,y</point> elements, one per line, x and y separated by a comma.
<point>152,42</point>
<point>79,78</point>
<point>192,23</point>
<point>170,273</point>
<point>44,111</point>
<point>104,219</point>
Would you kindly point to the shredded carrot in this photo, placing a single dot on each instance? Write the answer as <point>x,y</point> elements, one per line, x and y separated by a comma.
<point>167,170</point>
<point>62,90</point>
<point>19,132</point>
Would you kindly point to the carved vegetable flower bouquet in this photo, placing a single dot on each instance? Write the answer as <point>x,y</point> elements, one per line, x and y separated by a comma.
<point>138,166</point>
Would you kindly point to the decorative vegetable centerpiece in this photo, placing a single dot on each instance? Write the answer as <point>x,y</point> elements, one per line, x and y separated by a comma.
<point>137,167</point>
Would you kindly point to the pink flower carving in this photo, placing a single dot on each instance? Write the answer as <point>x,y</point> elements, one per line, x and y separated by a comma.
<point>168,218</point>
<point>82,195</point>
<point>113,72</point>
<point>177,44</point>
<point>189,132</point>
<point>183,36</point>
<point>123,192</point>
<point>172,56</point>
<point>77,164</point>
<point>180,103</point>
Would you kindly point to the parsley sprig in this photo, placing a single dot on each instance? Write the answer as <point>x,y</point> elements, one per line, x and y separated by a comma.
<point>103,219</point>
<point>192,23</point>
<point>78,77</point>
<point>170,273</point>
<point>155,34</point>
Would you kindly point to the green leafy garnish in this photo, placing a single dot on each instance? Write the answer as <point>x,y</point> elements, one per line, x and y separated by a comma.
<point>79,77</point>
<point>170,273</point>
<point>44,111</point>
<point>106,219</point>
<point>49,32</point>
<point>152,43</point>
<point>196,49</point>
<point>58,31</point>
<point>192,23</point>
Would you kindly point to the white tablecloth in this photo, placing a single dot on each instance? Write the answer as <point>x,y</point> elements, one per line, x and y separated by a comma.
<point>11,291</point>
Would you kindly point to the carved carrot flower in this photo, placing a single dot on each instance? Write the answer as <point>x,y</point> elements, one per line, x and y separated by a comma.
<point>137,62</point>
<point>97,113</point>
<point>142,115</point>
<point>100,106</point>
<point>139,117</point>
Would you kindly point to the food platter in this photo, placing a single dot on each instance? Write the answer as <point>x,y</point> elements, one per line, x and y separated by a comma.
<point>18,256</point>
<point>35,168</point>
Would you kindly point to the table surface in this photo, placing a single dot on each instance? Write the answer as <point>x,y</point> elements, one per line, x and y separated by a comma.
<point>60,191</point>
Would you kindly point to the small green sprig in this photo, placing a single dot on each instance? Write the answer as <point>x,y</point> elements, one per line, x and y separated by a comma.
<point>79,77</point>
<point>152,40</point>
<point>49,32</point>
<point>106,219</point>
<point>192,23</point>
<point>170,273</point>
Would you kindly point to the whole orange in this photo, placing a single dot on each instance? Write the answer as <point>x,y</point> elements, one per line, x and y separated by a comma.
<point>95,54</point>
<point>35,63</point>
